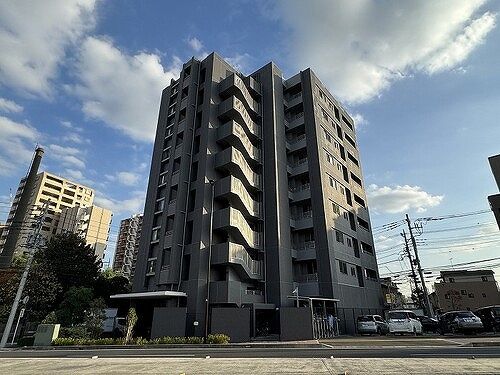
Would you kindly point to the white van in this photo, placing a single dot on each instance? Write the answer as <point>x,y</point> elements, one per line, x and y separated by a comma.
<point>403,321</point>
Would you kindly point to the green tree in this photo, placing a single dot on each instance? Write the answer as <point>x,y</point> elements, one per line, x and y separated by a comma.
<point>109,283</point>
<point>71,260</point>
<point>72,309</point>
<point>94,318</point>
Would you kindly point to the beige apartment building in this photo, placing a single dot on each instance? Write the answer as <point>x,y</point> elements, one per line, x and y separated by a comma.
<point>466,290</point>
<point>59,193</point>
<point>91,223</point>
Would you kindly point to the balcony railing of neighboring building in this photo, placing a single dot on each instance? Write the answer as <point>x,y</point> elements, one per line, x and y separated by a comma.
<point>307,278</point>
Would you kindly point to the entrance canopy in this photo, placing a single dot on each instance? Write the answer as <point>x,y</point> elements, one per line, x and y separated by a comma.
<point>149,295</point>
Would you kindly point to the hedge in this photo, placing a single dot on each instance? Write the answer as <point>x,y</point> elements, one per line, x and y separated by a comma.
<point>217,338</point>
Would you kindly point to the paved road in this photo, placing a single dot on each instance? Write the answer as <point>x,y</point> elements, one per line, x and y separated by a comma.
<point>318,352</point>
<point>241,366</point>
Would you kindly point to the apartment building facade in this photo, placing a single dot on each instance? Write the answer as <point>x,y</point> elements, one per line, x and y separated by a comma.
<point>91,223</point>
<point>494,199</point>
<point>127,246</point>
<point>255,202</point>
<point>466,290</point>
<point>59,193</point>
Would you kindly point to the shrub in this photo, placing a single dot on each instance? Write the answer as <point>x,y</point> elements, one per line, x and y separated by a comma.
<point>218,338</point>
<point>26,341</point>
<point>76,332</point>
<point>176,340</point>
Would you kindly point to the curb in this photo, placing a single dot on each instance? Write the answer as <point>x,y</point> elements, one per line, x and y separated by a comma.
<point>171,346</point>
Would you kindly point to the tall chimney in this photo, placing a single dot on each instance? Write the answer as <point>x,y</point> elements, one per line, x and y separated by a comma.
<point>18,223</point>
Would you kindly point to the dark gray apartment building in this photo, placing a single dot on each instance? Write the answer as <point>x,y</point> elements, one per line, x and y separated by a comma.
<point>255,202</point>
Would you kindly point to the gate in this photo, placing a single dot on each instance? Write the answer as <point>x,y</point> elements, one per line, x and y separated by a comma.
<point>325,327</point>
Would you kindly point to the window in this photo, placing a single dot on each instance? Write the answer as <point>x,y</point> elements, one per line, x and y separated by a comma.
<point>348,241</point>
<point>452,279</point>
<point>194,171</point>
<point>170,224</point>
<point>151,266</point>
<point>350,140</point>
<point>471,295</point>
<point>154,234</point>
<point>484,278</point>
<point>359,200</point>
<point>484,295</point>
<point>343,267</point>
<point>353,271</point>
<point>180,138</point>
<point>191,200</point>
<point>173,193</point>
<point>165,260</point>
<point>327,136</point>
<point>371,274</point>
<point>366,247</point>
<point>189,233</point>
<point>363,224</point>
<point>196,145</point>
<point>163,179</point>
<point>339,236</point>
<point>203,73</point>
<point>159,205</point>
<point>177,165</point>
<point>463,292</point>
<point>336,208</point>
<point>337,113</point>
<point>356,179</point>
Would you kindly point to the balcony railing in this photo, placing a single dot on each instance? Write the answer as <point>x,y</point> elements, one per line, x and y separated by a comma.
<point>307,245</point>
<point>303,215</point>
<point>238,253</point>
<point>307,278</point>
<point>302,187</point>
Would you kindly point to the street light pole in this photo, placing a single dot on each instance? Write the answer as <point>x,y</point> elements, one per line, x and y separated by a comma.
<point>207,301</point>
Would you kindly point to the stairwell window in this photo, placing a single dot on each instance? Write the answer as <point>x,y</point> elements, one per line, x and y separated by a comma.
<point>343,267</point>
<point>339,236</point>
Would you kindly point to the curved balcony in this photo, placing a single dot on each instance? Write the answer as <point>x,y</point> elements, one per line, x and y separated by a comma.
<point>230,253</point>
<point>235,163</point>
<point>233,221</point>
<point>234,85</point>
<point>233,109</point>
<point>234,134</point>
<point>235,192</point>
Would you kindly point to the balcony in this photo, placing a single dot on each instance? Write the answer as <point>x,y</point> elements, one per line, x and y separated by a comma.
<point>253,85</point>
<point>299,167</point>
<point>235,192</point>
<point>230,253</point>
<point>293,100</point>
<point>234,109</point>
<point>233,292</point>
<point>296,143</point>
<point>292,122</point>
<point>304,251</point>
<point>300,193</point>
<point>302,221</point>
<point>234,85</point>
<point>234,134</point>
<point>233,221</point>
<point>235,163</point>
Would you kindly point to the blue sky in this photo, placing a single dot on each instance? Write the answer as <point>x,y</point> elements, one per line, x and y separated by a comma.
<point>83,78</point>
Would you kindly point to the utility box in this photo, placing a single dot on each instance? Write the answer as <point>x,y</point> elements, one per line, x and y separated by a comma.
<point>45,334</point>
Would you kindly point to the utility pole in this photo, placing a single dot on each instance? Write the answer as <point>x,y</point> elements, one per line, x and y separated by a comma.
<point>427,302</point>
<point>408,254</point>
<point>34,243</point>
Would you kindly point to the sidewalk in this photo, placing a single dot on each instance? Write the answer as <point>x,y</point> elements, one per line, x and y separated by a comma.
<point>239,366</point>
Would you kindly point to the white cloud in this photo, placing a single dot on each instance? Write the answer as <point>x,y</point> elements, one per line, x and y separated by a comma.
<point>359,120</point>
<point>75,138</point>
<point>195,44</point>
<point>14,140</point>
<point>122,90</point>
<point>128,178</point>
<point>361,47</point>
<point>34,37</point>
<point>69,125</point>
<point>67,156</point>
<point>133,204</point>
<point>240,62</point>
<point>10,106</point>
<point>397,199</point>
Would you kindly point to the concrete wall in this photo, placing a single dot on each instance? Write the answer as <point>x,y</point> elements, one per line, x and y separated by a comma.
<point>168,321</point>
<point>296,323</point>
<point>234,322</point>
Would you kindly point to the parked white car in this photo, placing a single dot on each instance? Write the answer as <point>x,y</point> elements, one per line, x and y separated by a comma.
<point>403,321</point>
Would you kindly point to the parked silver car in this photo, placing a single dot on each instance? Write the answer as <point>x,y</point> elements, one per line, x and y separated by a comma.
<point>372,324</point>
<point>459,322</point>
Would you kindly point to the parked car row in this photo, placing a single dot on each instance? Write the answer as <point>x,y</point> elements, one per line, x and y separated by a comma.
<point>406,321</point>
